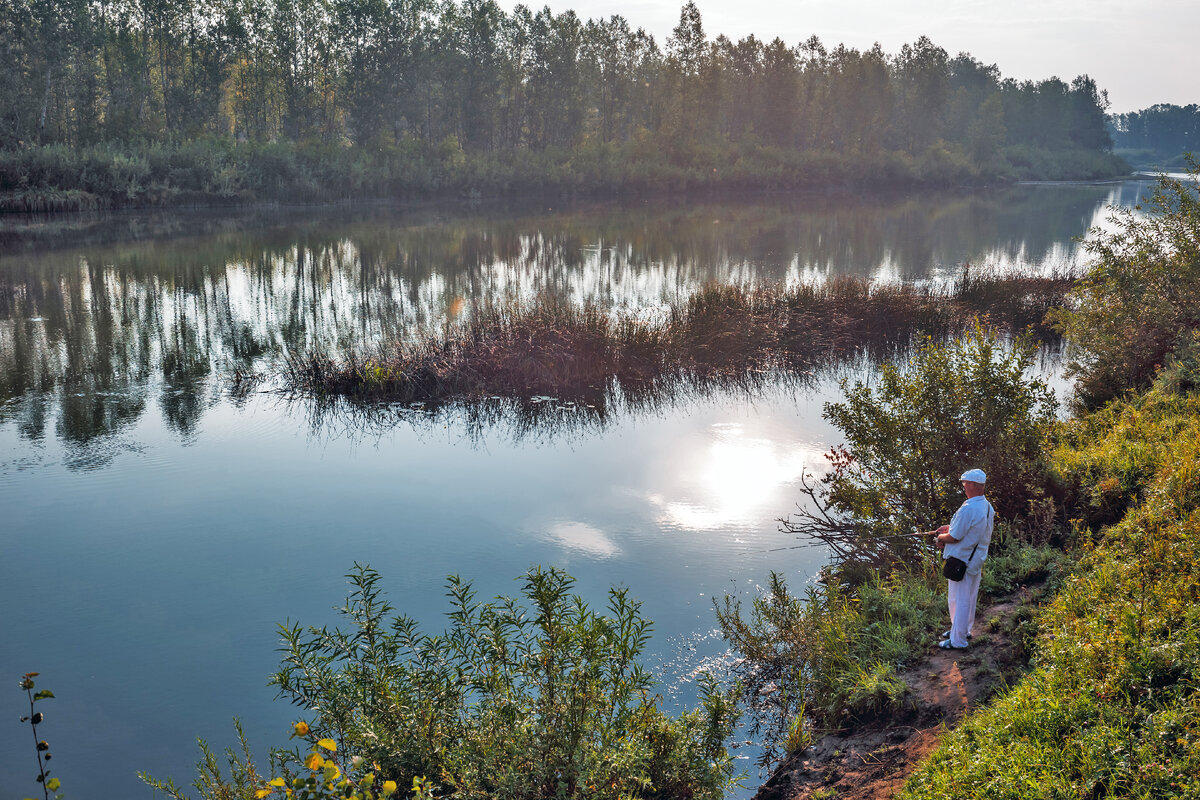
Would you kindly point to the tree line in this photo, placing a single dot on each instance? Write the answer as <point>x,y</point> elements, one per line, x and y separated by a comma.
<point>1159,135</point>
<point>449,81</point>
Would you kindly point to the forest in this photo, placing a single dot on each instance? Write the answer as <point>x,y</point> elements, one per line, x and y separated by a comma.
<point>131,101</point>
<point>1158,136</point>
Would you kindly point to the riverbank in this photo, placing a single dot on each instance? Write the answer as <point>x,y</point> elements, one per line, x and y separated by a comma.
<point>1081,681</point>
<point>873,761</point>
<point>220,172</point>
<point>1110,705</point>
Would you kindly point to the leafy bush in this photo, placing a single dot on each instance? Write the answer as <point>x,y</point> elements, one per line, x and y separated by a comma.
<point>1141,298</point>
<point>513,701</point>
<point>827,657</point>
<point>1108,460</point>
<point>953,406</point>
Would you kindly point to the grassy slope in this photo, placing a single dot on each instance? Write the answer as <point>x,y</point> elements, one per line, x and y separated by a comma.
<point>1112,704</point>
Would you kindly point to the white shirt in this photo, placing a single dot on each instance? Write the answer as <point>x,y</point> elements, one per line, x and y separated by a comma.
<point>972,526</point>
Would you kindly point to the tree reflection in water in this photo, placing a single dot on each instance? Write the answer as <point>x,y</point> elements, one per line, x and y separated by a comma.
<point>102,314</point>
<point>548,420</point>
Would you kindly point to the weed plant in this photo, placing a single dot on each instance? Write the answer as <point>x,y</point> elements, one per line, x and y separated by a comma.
<point>824,659</point>
<point>48,782</point>
<point>319,775</point>
<point>540,696</point>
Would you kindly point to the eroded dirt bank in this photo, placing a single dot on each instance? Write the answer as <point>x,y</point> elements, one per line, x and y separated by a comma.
<point>873,761</point>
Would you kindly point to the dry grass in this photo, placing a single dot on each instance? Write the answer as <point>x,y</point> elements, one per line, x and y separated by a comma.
<point>550,347</point>
<point>45,200</point>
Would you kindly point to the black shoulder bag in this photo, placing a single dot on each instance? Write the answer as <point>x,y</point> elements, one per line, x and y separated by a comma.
<point>955,568</point>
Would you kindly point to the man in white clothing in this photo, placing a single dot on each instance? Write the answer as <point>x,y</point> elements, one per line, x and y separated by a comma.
<point>966,537</point>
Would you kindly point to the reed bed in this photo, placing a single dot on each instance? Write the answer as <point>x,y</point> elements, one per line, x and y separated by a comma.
<point>41,200</point>
<point>554,348</point>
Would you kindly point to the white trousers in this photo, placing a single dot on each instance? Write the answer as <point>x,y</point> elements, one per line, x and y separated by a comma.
<point>960,597</point>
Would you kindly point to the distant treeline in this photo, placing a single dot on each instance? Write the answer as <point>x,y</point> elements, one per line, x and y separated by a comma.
<point>1157,136</point>
<point>149,99</point>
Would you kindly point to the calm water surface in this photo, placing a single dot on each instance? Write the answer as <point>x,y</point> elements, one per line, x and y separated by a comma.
<point>156,527</point>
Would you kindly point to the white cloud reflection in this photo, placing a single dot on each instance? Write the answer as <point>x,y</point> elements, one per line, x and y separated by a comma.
<point>579,537</point>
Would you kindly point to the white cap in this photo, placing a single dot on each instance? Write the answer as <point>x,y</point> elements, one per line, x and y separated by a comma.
<point>974,475</point>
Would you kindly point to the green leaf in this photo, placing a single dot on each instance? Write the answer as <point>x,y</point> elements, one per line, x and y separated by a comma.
<point>53,784</point>
<point>44,693</point>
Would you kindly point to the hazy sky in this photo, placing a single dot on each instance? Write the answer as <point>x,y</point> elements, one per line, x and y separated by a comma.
<point>1142,51</point>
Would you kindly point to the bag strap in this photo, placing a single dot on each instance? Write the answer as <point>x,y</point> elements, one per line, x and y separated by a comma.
<point>991,513</point>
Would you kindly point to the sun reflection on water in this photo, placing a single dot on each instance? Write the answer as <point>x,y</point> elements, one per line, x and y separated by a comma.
<point>734,479</point>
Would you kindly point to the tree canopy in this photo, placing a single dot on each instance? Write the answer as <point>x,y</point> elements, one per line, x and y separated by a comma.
<point>466,74</point>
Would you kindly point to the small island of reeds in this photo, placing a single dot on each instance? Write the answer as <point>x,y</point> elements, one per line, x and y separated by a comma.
<point>546,346</point>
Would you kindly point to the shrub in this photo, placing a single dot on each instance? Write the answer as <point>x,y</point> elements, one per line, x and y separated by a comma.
<point>966,403</point>
<point>513,701</point>
<point>546,699</point>
<point>1108,460</point>
<point>1141,298</point>
<point>827,658</point>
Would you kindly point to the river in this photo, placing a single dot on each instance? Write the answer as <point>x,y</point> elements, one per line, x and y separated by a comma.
<point>157,526</point>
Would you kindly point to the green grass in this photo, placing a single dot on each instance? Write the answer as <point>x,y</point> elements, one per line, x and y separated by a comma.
<point>828,659</point>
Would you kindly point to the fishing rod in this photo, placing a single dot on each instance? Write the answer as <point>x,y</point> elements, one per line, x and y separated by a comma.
<point>913,535</point>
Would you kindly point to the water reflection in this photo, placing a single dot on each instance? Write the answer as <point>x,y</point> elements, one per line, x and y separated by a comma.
<point>732,473</point>
<point>579,537</point>
<point>543,420</point>
<point>99,313</point>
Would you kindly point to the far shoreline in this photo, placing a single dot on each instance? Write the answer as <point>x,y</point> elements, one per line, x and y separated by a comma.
<point>224,174</point>
<point>459,199</point>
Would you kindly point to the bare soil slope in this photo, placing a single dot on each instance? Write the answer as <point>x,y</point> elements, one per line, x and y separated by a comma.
<point>873,761</point>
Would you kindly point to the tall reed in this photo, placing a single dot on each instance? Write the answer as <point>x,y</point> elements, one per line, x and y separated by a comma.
<point>548,346</point>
